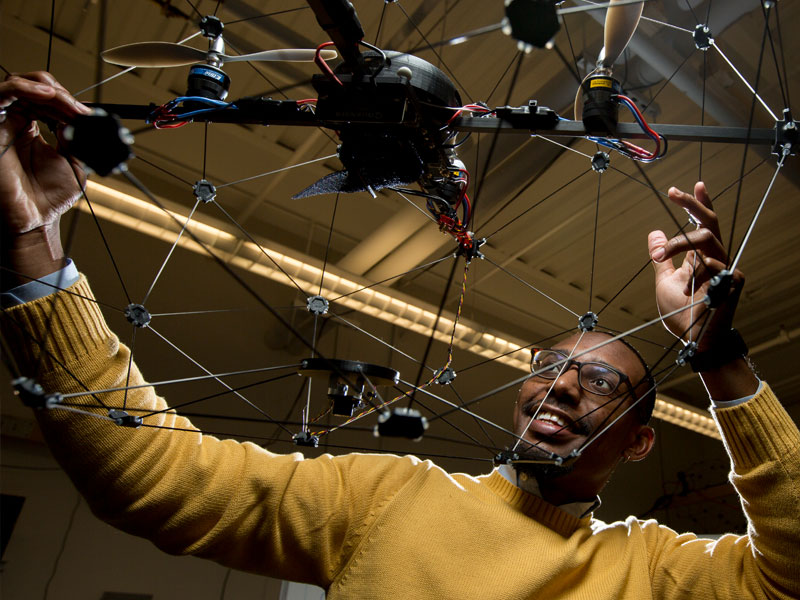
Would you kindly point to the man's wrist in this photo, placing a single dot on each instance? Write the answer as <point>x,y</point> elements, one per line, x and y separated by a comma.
<point>727,348</point>
<point>31,255</point>
<point>731,381</point>
<point>41,287</point>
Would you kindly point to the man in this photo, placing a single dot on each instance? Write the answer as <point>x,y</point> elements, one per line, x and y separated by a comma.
<point>378,526</point>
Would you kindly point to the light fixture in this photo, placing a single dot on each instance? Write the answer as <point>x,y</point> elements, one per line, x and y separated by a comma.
<point>118,205</point>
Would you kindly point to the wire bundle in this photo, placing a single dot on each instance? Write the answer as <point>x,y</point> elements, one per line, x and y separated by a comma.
<point>165,117</point>
<point>628,149</point>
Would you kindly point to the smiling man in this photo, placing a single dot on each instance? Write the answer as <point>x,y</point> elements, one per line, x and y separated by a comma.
<point>383,526</point>
<point>568,402</point>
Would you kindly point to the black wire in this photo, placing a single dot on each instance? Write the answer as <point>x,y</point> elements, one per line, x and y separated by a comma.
<point>51,33</point>
<point>205,146</point>
<point>246,386</point>
<point>432,49</point>
<point>703,113</point>
<point>57,288</point>
<point>661,89</point>
<point>594,239</point>
<point>384,60</point>
<point>107,247</point>
<point>424,267</point>
<point>747,140</point>
<point>424,360</point>
<point>689,6</point>
<point>502,76</point>
<point>510,352</point>
<point>63,546</point>
<point>577,72</point>
<point>272,14</point>
<point>568,66</point>
<point>328,245</point>
<point>784,97</point>
<point>264,252</point>
<point>227,573</point>
<point>495,138</point>
<point>380,24</point>
<point>530,208</point>
<point>783,57</point>
<point>199,14</point>
<point>162,169</point>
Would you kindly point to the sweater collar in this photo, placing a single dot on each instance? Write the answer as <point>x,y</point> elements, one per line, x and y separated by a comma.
<point>531,485</point>
<point>533,506</point>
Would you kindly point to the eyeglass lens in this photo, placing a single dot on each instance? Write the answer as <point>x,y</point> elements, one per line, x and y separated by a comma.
<point>593,377</point>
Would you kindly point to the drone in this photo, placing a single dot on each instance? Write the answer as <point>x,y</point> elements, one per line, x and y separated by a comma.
<point>398,119</point>
<point>397,116</point>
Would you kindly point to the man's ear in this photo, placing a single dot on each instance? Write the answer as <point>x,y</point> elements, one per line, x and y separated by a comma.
<point>642,443</point>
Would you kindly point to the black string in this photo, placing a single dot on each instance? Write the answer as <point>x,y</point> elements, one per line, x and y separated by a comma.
<point>51,34</point>
<point>424,360</point>
<point>495,137</point>
<point>784,97</point>
<point>594,239</point>
<point>747,140</point>
<point>328,245</point>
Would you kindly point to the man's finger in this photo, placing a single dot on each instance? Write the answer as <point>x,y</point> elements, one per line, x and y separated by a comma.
<point>699,206</point>
<point>702,240</point>
<point>656,242</point>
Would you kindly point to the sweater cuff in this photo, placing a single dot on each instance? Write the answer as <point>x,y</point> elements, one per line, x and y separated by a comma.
<point>50,324</point>
<point>757,431</point>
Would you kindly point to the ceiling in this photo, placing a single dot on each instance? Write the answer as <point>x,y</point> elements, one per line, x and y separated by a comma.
<point>548,217</point>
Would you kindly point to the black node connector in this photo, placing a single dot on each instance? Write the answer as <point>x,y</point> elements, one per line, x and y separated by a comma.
<point>601,162</point>
<point>124,419</point>
<point>505,457</point>
<point>446,377</point>
<point>211,26</point>
<point>305,438</point>
<point>31,393</point>
<point>531,22</point>
<point>401,422</point>
<point>471,249</point>
<point>137,315</point>
<point>588,322</point>
<point>702,37</point>
<point>317,305</point>
<point>99,141</point>
<point>787,135</point>
<point>204,191</point>
<point>718,289</point>
<point>686,354</point>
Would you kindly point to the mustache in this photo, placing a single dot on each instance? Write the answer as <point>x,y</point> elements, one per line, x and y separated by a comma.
<point>579,424</point>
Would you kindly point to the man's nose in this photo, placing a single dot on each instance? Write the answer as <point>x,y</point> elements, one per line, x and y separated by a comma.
<point>567,387</point>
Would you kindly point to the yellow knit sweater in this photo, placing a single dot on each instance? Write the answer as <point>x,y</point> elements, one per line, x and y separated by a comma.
<point>377,526</point>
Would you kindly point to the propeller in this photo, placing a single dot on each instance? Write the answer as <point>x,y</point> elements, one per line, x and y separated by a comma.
<point>621,23</point>
<point>168,54</point>
<point>622,18</point>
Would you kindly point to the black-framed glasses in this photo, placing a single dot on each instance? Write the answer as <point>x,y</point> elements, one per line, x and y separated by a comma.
<point>595,377</point>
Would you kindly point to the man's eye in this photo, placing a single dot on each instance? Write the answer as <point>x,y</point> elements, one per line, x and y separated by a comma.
<point>601,384</point>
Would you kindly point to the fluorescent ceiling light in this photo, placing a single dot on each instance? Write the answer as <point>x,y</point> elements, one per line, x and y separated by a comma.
<point>122,207</point>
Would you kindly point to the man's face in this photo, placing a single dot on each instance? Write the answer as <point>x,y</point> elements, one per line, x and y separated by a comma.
<point>585,414</point>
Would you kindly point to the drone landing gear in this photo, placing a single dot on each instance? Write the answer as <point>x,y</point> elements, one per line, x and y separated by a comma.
<point>346,380</point>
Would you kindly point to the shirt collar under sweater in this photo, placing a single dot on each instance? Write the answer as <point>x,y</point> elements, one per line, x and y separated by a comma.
<point>530,485</point>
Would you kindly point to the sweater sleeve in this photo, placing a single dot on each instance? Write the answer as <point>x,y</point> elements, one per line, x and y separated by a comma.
<point>764,446</point>
<point>235,503</point>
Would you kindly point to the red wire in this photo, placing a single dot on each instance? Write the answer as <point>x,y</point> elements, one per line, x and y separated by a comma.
<point>323,65</point>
